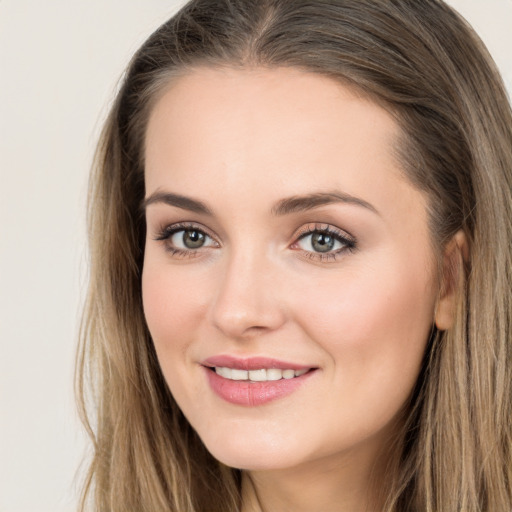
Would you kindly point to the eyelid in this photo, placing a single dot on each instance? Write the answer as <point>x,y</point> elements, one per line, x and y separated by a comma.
<point>349,242</point>
<point>324,228</point>
<point>165,231</point>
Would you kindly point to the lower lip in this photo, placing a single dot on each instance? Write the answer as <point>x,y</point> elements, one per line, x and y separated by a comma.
<point>252,394</point>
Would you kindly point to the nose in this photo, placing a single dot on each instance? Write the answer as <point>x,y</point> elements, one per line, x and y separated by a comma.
<point>248,301</point>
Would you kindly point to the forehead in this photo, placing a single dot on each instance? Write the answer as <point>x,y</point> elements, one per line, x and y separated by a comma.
<point>223,114</point>
<point>274,132</point>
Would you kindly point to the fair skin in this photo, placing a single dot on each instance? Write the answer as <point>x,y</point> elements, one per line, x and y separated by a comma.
<point>345,287</point>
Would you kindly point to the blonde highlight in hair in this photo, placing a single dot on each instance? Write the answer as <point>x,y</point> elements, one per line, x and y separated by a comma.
<point>425,65</point>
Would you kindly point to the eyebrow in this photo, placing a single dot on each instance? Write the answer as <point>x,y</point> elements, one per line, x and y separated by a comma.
<point>286,206</point>
<point>308,202</point>
<point>177,200</point>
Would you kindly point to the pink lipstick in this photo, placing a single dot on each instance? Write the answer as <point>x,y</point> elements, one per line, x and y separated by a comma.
<point>254,381</point>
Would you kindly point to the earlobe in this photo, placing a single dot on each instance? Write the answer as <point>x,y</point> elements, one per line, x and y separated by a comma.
<point>455,254</point>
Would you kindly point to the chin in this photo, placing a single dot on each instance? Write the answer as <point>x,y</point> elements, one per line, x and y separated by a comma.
<point>256,454</point>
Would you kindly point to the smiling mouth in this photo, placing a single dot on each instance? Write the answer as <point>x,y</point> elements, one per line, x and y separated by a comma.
<point>254,381</point>
<point>258,375</point>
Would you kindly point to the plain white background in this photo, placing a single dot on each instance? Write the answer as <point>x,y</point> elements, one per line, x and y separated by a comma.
<point>60,61</point>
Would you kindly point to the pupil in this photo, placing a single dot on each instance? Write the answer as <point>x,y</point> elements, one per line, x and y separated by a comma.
<point>322,242</point>
<point>193,239</point>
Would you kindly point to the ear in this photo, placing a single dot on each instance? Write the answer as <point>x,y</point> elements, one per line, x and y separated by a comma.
<point>455,254</point>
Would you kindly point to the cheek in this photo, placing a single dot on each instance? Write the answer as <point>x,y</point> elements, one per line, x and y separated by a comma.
<point>368,302</point>
<point>374,328</point>
<point>173,304</point>
<point>173,308</point>
<point>373,322</point>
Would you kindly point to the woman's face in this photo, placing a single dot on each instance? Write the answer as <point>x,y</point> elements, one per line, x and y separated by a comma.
<point>282,238</point>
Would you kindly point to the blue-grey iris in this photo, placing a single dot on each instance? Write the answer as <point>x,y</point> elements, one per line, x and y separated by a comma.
<point>322,242</point>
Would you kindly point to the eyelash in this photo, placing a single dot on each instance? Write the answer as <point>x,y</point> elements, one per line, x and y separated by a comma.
<point>166,233</point>
<point>348,241</point>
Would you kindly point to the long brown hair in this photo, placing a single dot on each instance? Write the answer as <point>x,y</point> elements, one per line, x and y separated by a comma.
<point>421,61</point>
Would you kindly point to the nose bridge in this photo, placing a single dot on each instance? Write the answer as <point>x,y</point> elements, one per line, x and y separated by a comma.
<point>246,302</point>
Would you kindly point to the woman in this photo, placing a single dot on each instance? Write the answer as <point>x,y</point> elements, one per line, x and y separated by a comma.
<point>300,224</point>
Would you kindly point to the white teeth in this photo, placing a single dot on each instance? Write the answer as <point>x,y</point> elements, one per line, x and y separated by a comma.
<point>260,375</point>
<point>239,374</point>
<point>224,372</point>
<point>274,374</point>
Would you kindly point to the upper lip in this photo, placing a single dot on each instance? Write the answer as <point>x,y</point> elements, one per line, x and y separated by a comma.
<point>251,363</point>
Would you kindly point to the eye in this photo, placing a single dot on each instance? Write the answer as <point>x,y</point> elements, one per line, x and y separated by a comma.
<point>190,239</point>
<point>323,242</point>
<point>319,241</point>
<point>185,240</point>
